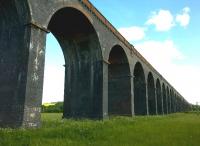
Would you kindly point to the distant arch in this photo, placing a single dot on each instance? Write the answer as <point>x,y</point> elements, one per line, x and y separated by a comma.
<point>168,100</point>
<point>164,99</point>
<point>139,90</point>
<point>172,102</point>
<point>178,104</point>
<point>159,97</point>
<point>175,102</point>
<point>151,94</point>
<point>119,83</point>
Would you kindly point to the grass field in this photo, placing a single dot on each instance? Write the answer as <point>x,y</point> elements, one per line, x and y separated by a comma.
<point>171,130</point>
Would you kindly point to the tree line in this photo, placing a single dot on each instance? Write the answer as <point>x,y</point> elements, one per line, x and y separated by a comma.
<point>55,108</point>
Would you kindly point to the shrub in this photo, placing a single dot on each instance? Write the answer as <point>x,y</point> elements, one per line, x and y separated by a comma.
<point>55,108</point>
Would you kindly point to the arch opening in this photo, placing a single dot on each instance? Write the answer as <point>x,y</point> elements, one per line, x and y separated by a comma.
<point>159,97</point>
<point>54,75</point>
<point>119,83</point>
<point>164,99</point>
<point>172,102</point>
<point>151,95</point>
<point>175,102</point>
<point>139,90</point>
<point>178,104</point>
<point>83,68</point>
<point>168,101</point>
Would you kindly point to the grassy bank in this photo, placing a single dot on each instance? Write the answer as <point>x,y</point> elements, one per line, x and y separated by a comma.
<point>170,130</point>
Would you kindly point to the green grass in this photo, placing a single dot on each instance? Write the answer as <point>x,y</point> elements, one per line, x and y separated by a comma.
<point>171,130</point>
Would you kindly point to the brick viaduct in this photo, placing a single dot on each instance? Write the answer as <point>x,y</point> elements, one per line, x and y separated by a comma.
<point>104,74</point>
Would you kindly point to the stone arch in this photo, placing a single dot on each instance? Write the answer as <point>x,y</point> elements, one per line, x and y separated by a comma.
<point>168,100</point>
<point>181,104</point>
<point>178,103</point>
<point>172,102</point>
<point>83,69</point>
<point>164,99</point>
<point>26,54</point>
<point>151,94</point>
<point>175,102</point>
<point>159,97</point>
<point>119,83</point>
<point>139,90</point>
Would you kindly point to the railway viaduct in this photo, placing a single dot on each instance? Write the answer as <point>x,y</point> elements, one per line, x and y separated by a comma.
<point>104,74</point>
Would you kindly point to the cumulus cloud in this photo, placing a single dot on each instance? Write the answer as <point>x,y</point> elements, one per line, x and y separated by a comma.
<point>133,33</point>
<point>184,18</point>
<point>160,52</point>
<point>164,55</point>
<point>163,20</point>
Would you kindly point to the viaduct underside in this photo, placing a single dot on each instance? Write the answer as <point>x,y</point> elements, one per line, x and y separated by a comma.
<point>104,74</point>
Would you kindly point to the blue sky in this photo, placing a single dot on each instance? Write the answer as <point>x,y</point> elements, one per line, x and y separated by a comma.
<point>165,32</point>
<point>135,13</point>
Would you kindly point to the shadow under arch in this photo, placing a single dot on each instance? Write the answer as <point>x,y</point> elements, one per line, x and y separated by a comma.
<point>119,83</point>
<point>140,106</point>
<point>159,97</point>
<point>173,102</point>
<point>83,67</point>
<point>164,99</point>
<point>151,94</point>
<point>168,101</point>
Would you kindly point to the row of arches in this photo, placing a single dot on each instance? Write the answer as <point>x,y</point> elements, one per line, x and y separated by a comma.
<point>127,92</point>
<point>92,89</point>
<point>150,96</point>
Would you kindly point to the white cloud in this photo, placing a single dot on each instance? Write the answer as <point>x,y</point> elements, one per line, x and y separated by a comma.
<point>184,18</point>
<point>160,52</point>
<point>163,20</point>
<point>133,33</point>
<point>163,56</point>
